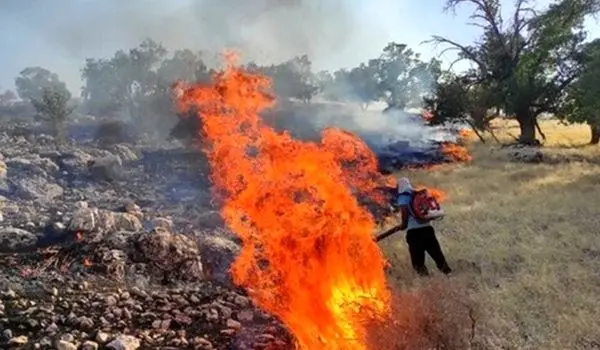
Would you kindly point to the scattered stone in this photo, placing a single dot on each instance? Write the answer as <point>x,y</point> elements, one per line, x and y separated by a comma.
<point>124,342</point>
<point>89,345</point>
<point>233,324</point>
<point>102,337</point>
<point>20,340</point>
<point>65,345</point>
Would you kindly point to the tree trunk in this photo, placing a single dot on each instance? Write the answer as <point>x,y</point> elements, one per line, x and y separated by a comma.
<point>595,129</point>
<point>527,124</point>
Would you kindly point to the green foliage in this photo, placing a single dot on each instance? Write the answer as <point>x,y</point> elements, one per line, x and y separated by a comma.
<point>529,62</point>
<point>293,78</point>
<point>454,99</point>
<point>398,77</point>
<point>583,100</point>
<point>32,82</point>
<point>53,107</point>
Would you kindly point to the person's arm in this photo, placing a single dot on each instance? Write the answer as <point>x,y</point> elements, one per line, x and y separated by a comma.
<point>403,217</point>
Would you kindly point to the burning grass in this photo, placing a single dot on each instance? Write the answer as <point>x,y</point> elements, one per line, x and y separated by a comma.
<point>308,256</point>
<point>523,241</point>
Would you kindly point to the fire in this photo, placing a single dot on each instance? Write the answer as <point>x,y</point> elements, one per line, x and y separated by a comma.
<point>87,262</point>
<point>308,256</point>
<point>427,116</point>
<point>438,194</point>
<point>465,133</point>
<point>78,236</point>
<point>456,152</point>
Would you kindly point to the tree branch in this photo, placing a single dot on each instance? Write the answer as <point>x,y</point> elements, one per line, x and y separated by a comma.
<point>467,52</point>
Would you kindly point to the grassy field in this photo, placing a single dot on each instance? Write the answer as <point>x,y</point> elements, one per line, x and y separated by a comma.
<point>524,240</point>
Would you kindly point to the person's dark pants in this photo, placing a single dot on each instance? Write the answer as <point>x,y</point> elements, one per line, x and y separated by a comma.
<point>421,240</point>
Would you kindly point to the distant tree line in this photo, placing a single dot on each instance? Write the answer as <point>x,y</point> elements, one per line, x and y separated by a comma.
<point>536,62</point>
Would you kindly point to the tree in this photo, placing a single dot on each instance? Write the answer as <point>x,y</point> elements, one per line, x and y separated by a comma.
<point>7,98</point>
<point>583,102</point>
<point>123,81</point>
<point>292,78</point>
<point>454,99</point>
<point>402,77</point>
<point>364,82</point>
<point>53,107</point>
<point>531,61</point>
<point>33,81</point>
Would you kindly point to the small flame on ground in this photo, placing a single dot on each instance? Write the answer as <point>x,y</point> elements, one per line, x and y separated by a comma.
<point>308,256</point>
<point>456,152</point>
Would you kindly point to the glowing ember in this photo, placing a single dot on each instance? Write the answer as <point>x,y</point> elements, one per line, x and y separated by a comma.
<point>308,255</point>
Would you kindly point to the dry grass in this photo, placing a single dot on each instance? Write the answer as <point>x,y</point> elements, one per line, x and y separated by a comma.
<point>524,239</point>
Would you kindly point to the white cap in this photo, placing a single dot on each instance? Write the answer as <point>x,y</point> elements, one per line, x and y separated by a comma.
<point>404,185</point>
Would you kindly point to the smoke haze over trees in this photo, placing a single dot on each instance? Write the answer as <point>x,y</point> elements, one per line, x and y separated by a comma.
<point>529,64</point>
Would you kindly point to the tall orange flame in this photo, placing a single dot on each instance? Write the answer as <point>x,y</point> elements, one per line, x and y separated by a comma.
<point>308,255</point>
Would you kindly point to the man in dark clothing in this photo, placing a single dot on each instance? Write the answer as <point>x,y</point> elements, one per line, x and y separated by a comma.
<point>420,235</point>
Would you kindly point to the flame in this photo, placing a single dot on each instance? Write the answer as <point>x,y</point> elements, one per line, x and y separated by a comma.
<point>456,152</point>
<point>78,236</point>
<point>308,256</point>
<point>436,193</point>
<point>427,116</point>
<point>87,262</point>
<point>465,133</point>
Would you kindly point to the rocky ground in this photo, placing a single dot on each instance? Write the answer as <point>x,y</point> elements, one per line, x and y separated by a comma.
<point>117,247</point>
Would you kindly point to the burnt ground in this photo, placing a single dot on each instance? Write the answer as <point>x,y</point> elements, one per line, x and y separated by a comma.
<point>116,246</point>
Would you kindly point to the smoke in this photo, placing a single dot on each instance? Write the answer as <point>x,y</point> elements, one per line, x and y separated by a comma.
<point>378,128</point>
<point>266,31</point>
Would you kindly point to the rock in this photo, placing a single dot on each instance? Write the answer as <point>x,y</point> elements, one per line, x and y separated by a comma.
<point>12,238</point>
<point>7,334</point>
<point>127,222</point>
<point>124,342</point>
<point>67,337</point>
<point>3,169</point>
<point>65,345</point>
<point>89,345</point>
<point>246,316</point>
<point>163,223</point>
<point>172,252</point>
<point>218,252</point>
<point>36,188</point>
<point>20,340</point>
<point>525,154</point>
<point>74,162</point>
<point>134,209</point>
<point>233,324</point>
<point>110,300</point>
<point>93,219</point>
<point>83,220</point>
<point>124,153</point>
<point>102,337</point>
<point>107,168</point>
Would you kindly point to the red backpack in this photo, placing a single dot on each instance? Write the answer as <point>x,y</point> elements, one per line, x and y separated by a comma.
<point>424,207</point>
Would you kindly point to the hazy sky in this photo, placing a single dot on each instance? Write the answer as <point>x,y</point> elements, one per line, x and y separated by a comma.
<point>60,34</point>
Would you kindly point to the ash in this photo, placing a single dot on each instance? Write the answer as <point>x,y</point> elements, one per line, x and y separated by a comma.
<point>117,246</point>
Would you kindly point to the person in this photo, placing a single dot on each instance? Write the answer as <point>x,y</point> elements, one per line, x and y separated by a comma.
<point>420,235</point>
